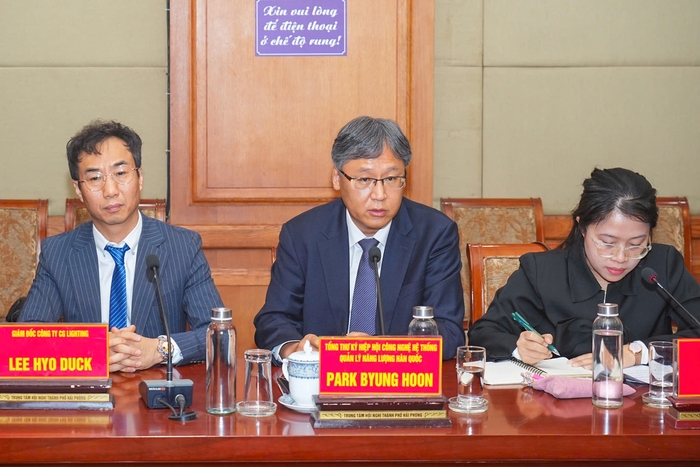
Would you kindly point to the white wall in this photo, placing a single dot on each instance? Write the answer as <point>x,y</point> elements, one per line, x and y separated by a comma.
<point>64,63</point>
<point>531,95</point>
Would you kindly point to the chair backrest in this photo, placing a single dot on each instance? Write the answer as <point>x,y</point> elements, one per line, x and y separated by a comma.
<point>673,227</point>
<point>493,221</point>
<point>23,226</point>
<point>76,212</point>
<point>491,265</point>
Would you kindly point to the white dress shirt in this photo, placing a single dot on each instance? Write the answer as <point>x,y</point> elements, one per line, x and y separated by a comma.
<point>106,268</point>
<point>355,252</point>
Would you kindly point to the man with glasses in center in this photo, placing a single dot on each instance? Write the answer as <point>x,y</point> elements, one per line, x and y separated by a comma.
<point>322,283</point>
<point>97,273</point>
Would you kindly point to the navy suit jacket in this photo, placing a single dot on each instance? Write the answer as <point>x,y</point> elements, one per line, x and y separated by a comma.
<point>309,290</point>
<point>67,284</point>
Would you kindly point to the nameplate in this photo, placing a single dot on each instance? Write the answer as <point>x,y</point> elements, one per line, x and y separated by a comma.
<point>54,351</point>
<point>688,369</point>
<point>380,366</point>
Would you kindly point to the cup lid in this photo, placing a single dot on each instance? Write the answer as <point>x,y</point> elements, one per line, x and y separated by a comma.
<point>306,355</point>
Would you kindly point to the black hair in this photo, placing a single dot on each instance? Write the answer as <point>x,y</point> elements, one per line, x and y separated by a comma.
<point>609,190</point>
<point>94,133</point>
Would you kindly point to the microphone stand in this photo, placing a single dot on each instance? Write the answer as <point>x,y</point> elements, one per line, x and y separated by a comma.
<point>690,315</point>
<point>159,394</point>
<point>375,255</point>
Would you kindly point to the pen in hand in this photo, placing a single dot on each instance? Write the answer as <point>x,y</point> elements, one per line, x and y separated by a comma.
<point>518,318</point>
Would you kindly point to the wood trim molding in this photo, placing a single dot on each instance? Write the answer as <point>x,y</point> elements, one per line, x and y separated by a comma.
<point>237,236</point>
<point>240,277</point>
<point>414,108</point>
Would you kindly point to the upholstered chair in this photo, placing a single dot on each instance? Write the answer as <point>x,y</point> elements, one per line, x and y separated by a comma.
<point>673,227</point>
<point>490,267</point>
<point>493,220</point>
<point>23,226</point>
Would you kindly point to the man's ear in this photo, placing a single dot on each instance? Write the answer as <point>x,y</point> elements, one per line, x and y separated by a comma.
<point>140,171</point>
<point>76,185</point>
<point>336,179</point>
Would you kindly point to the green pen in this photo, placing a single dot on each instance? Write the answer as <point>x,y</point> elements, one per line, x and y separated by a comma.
<point>518,318</point>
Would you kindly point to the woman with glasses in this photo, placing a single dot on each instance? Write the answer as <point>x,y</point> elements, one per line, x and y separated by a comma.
<point>601,260</point>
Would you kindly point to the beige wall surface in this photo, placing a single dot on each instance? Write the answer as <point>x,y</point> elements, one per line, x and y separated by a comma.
<point>530,95</point>
<point>64,63</point>
<point>566,85</point>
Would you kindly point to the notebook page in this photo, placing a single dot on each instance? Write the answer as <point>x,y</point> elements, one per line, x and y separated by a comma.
<point>637,374</point>
<point>560,367</point>
<point>504,372</point>
<point>507,372</point>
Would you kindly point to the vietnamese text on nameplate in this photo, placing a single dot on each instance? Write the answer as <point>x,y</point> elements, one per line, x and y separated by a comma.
<point>54,350</point>
<point>688,366</point>
<point>408,366</point>
<point>301,27</point>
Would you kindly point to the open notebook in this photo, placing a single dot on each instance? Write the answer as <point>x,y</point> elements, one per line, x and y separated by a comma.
<point>509,371</point>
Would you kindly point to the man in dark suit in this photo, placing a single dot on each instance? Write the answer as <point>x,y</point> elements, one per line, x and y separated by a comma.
<point>314,287</point>
<point>80,279</point>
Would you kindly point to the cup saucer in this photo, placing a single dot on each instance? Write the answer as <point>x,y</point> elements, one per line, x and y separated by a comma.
<point>287,401</point>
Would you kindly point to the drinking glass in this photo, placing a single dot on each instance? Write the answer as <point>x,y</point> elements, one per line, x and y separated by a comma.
<point>471,362</point>
<point>660,374</point>
<point>257,395</point>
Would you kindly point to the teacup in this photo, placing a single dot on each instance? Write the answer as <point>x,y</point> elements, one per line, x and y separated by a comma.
<point>301,370</point>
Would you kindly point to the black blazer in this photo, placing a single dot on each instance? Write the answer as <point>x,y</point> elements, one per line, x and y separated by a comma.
<point>558,294</point>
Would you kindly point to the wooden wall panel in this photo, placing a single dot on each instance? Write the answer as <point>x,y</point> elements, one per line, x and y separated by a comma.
<point>244,299</point>
<point>251,136</point>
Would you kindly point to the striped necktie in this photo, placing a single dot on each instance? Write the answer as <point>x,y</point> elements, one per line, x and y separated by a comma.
<point>364,298</point>
<point>117,296</point>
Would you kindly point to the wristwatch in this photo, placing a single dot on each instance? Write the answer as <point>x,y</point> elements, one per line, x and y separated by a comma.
<point>164,347</point>
<point>636,349</point>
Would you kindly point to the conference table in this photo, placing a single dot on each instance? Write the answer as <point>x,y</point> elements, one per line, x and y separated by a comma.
<point>521,427</point>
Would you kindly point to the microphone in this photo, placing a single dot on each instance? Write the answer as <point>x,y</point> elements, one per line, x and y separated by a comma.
<point>375,255</point>
<point>161,394</point>
<point>649,275</point>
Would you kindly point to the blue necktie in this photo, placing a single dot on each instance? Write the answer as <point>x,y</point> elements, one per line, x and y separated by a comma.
<point>364,299</point>
<point>117,296</point>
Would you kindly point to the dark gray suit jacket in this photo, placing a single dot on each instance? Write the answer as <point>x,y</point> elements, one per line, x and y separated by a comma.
<point>67,284</point>
<point>309,291</point>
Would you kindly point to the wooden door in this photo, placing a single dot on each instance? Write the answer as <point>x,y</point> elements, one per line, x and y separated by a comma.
<point>251,135</point>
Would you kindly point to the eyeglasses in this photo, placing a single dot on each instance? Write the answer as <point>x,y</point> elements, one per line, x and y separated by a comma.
<point>363,183</point>
<point>123,174</point>
<point>609,250</point>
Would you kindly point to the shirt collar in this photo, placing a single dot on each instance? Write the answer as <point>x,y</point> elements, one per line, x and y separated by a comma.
<point>355,234</point>
<point>583,283</point>
<point>132,239</point>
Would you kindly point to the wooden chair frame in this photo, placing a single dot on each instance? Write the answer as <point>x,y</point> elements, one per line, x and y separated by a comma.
<point>477,253</point>
<point>73,204</point>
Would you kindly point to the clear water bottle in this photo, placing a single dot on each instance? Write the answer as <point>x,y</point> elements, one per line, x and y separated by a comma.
<point>607,357</point>
<point>423,323</point>
<point>221,363</point>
